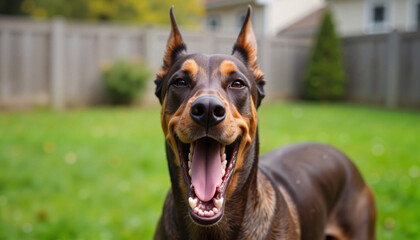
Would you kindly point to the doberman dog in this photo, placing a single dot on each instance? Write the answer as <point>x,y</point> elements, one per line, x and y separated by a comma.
<point>221,188</point>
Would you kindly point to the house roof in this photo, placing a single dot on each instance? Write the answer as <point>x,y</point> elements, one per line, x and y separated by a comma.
<point>309,21</point>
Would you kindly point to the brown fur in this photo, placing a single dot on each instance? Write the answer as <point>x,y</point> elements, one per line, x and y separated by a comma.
<point>301,191</point>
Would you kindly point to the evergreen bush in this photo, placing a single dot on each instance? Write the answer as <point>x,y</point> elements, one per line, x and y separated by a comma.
<point>125,80</point>
<point>325,75</point>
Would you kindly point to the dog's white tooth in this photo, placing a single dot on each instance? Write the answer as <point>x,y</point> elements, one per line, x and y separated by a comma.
<point>224,157</point>
<point>189,156</point>
<point>200,212</point>
<point>190,172</point>
<point>193,202</point>
<point>215,210</point>
<point>207,213</point>
<point>196,209</point>
<point>224,163</point>
<point>223,172</point>
<point>211,213</point>
<point>218,202</point>
<point>222,150</point>
<point>191,148</point>
<point>189,164</point>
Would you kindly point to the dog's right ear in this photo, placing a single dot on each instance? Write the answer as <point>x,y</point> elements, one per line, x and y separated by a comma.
<point>175,48</point>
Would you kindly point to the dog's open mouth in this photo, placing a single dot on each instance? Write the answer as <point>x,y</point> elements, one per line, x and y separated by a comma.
<point>208,168</point>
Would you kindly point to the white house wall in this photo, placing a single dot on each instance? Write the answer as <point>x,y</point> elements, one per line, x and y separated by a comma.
<point>400,14</point>
<point>282,13</point>
<point>349,16</point>
<point>352,17</point>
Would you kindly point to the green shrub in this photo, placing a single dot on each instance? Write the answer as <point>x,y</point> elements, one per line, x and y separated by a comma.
<point>325,74</point>
<point>125,80</point>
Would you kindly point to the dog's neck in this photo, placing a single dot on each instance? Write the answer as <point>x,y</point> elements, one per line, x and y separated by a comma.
<point>245,201</point>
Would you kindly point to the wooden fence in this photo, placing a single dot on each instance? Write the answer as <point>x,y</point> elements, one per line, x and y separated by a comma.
<point>59,63</point>
<point>383,69</point>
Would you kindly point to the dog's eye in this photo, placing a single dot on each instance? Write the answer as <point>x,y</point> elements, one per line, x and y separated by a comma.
<point>179,82</point>
<point>237,84</point>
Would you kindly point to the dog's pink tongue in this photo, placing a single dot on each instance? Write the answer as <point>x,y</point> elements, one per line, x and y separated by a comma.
<point>206,168</point>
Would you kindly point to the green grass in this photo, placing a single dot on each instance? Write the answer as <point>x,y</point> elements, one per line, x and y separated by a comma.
<point>102,173</point>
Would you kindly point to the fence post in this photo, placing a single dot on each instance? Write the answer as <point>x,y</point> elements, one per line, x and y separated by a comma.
<point>5,80</point>
<point>57,56</point>
<point>393,70</point>
<point>28,81</point>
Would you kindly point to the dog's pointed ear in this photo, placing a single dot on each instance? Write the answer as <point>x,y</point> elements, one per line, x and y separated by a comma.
<point>175,48</point>
<point>245,49</point>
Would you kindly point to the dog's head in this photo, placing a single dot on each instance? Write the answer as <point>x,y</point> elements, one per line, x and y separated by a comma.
<point>209,118</point>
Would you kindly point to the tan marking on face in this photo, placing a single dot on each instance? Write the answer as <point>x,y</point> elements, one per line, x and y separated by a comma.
<point>186,126</point>
<point>190,66</point>
<point>188,130</point>
<point>227,67</point>
<point>248,127</point>
<point>168,122</point>
<point>227,131</point>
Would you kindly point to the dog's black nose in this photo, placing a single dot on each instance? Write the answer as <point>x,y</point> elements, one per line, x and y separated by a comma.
<point>208,111</point>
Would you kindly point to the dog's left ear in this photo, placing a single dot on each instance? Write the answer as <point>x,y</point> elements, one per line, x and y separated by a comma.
<point>245,49</point>
<point>175,48</point>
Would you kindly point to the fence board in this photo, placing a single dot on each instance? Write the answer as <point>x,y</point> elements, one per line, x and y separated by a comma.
<point>5,73</point>
<point>409,85</point>
<point>39,71</point>
<point>381,69</point>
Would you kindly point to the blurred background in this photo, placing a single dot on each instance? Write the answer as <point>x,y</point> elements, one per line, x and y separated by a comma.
<point>81,149</point>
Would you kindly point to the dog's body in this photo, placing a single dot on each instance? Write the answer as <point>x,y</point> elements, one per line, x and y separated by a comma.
<point>221,189</point>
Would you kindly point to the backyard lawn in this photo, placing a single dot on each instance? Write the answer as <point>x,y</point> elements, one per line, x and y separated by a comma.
<point>101,173</point>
